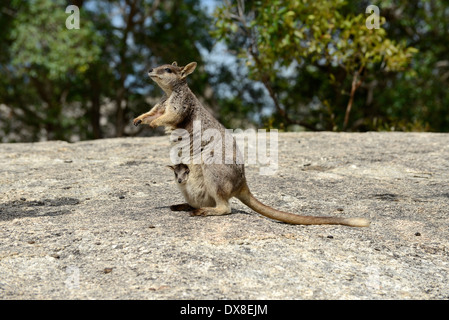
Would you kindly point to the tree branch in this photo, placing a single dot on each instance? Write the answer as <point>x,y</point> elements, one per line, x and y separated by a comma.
<point>354,86</point>
<point>265,79</point>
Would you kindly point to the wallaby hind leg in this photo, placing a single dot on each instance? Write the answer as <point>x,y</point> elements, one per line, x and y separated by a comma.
<point>182,207</point>
<point>222,208</point>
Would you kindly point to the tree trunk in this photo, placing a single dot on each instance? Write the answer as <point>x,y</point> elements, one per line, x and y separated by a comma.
<point>95,109</point>
<point>355,84</point>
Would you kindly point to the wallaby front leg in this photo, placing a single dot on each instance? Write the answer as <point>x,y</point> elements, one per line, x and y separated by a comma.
<point>146,118</point>
<point>166,119</point>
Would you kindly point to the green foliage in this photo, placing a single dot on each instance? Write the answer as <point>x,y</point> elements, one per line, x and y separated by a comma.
<point>288,62</point>
<point>43,44</point>
<point>46,59</point>
<point>307,36</point>
<point>419,102</point>
<point>85,83</point>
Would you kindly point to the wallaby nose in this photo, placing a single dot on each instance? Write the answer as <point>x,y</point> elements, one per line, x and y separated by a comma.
<point>151,70</point>
<point>179,180</point>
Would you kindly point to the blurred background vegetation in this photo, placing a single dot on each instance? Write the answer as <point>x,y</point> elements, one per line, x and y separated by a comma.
<point>285,64</point>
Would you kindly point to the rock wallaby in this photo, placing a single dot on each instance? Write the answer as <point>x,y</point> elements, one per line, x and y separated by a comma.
<point>208,187</point>
<point>181,172</point>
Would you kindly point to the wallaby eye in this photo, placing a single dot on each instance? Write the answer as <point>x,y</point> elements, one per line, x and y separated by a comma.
<point>187,171</point>
<point>168,70</point>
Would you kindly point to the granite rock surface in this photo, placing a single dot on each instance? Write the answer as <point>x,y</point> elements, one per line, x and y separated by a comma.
<point>91,220</point>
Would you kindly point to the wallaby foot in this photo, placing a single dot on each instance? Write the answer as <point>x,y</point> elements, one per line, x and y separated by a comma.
<point>211,211</point>
<point>182,207</point>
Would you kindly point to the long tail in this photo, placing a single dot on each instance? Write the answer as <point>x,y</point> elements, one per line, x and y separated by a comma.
<point>248,199</point>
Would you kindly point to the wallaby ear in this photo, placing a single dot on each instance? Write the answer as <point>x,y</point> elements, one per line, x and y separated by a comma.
<point>188,69</point>
<point>171,167</point>
<point>174,64</point>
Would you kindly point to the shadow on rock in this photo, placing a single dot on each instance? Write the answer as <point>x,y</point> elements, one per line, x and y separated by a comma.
<point>35,208</point>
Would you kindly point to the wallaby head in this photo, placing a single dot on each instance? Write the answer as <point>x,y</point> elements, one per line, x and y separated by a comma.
<point>181,172</point>
<point>168,76</point>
